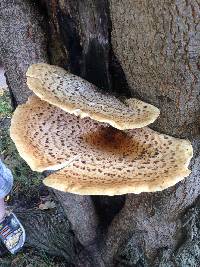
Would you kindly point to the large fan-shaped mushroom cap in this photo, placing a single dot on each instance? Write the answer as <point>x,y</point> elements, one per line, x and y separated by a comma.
<point>98,159</point>
<point>77,96</point>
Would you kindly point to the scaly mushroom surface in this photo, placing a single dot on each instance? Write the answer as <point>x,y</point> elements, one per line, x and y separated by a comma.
<point>77,96</point>
<point>97,159</point>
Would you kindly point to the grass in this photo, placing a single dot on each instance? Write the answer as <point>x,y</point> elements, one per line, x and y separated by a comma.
<point>26,182</point>
<point>5,106</point>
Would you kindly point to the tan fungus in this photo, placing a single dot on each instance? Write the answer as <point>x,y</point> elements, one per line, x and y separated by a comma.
<point>98,159</point>
<point>77,96</point>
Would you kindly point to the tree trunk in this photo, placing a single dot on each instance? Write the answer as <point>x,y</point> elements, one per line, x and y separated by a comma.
<point>149,49</point>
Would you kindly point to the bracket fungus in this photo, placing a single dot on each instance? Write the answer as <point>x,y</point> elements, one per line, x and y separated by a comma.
<point>95,158</point>
<point>77,96</point>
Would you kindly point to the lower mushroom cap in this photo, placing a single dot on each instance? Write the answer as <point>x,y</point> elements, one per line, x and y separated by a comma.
<point>98,159</point>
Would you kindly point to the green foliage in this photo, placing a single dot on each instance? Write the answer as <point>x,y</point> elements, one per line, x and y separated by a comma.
<point>5,107</point>
<point>26,182</point>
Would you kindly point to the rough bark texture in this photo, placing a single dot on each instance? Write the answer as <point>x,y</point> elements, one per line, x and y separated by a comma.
<point>84,221</point>
<point>57,240</point>
<point>161,61</point>
<point>22,42</point>
<point>161,58</point>
<point>157,44</point>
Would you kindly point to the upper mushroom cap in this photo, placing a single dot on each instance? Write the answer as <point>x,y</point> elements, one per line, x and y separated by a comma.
<point>77,96</point>
<point>98,159</point>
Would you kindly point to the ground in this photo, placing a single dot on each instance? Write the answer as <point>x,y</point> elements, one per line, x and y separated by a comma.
<point>28,191</point>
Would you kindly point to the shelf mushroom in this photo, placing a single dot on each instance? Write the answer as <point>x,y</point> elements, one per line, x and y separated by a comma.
<point>95,158</point>
<point>77,96</point>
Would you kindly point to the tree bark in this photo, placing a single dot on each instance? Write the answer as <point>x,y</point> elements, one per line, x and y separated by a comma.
<point>149,49</point>
<point>161,63</point>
